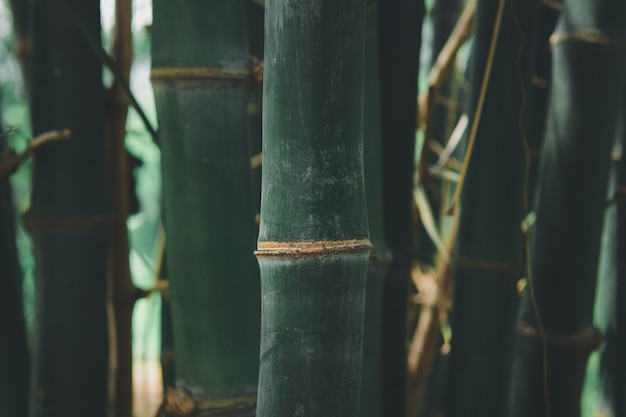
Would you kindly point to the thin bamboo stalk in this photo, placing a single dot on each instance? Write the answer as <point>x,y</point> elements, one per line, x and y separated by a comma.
<point>490,241</point>
<point>607,301</point>
<point>68,216</point>
<point>555,329</point>
<point>202,82</point>
<point>400,39</point>
<point>313,244</point>
<point>123,293</point>
<point>14,360</point>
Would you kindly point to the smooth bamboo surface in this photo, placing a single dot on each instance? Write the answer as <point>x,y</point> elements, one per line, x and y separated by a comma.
<point>313,244</point>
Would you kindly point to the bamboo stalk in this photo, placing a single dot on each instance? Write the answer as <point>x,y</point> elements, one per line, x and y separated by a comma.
<point>123,293</point>
<point>14,360</point>
<point>68,216</point>
<point>490,242</point>
<point>313,241</point>
<point>556,332</point>
<point>400,39</point>
<point>202,81</point>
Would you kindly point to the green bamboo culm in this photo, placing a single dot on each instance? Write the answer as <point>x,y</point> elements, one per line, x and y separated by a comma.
<point>67,217</point>
<point>538,94</point>
<point>606,378</point>
<point>400,28</point>
<point>371,387</point>
<point>202,81</point>
<point>490,241</point>
<point>555,327</point>
<point>313,244</point>
<point>14,360</point>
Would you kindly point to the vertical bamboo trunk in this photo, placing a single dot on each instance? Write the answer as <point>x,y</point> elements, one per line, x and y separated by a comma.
<point>202,80</point>
<point>313,241</point>
<point>123,293</point>
<point>609,304</point>
<point>490,241</point>
<point>21,28</point>
<point>13,346</point>
<point>539,94</point>
<point>555,331</point>
<point>371,387</point>
<point>400,39</point>
<point>68,216</point>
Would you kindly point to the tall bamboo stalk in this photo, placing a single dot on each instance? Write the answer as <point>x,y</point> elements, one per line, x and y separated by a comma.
<point>202,82</point>
<point>14,361</point>
<point>68,216</point>
<point>555,331</point>
<point>123,293</point>
<point>400,39</point>
<point>313,242</point>
<point>609,307</point>
<point>371,387</point>
<point>539,93</point>
<point>490,241</point>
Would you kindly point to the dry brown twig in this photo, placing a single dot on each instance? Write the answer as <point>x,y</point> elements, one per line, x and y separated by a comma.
<point>10,161</point>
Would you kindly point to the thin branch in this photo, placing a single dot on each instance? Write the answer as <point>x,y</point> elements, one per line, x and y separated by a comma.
<point>433,315</point>
<point>10,161</point>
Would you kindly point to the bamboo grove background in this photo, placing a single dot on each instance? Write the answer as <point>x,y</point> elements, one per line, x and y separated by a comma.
<point>433,191</point>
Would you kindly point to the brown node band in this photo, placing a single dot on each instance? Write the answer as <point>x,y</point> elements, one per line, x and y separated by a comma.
<point>495,267</point>
<point>42,224</point>
<point>587,339</point>
<point>589,36</point>
<point>198,74</point>
<point>180,402</point>
<point>311,249</point>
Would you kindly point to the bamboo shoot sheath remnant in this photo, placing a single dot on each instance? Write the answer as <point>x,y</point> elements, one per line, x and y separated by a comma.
<point>313,245</point>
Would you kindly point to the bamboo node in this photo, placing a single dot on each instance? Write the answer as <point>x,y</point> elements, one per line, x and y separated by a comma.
<point>589,36</point>
<point>199,74</point>
<point>311,249</point>
<point>495,267</point>
<point>41,224</point>
<point>581,344</point>
<point>183,403</point>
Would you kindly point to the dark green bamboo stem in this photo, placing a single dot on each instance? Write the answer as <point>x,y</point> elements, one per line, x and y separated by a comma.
<point>400,39</point>
<point>21,28</point>
<point>67,218</point>
<point>538,94</point>
<point>13,347</point>
<point>371,387</point>
<point>490,241</point>
<point>586,93</point>
<point>313,242</point>
<point>609,311</point>
<point>202,83</point>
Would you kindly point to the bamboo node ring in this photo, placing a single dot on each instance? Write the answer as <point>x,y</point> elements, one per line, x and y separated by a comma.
<point>39,224</point>
<point>183,403</point>
<point>589,36</point>
<point>197,74</point>
<point>581,343</point>
<point>311,249</point>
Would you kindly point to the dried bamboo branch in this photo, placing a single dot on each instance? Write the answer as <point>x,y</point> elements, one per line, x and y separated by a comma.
<point>10,161</point>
